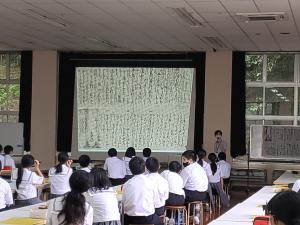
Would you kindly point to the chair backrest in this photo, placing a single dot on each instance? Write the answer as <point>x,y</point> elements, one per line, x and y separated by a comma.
<point>261,220</point>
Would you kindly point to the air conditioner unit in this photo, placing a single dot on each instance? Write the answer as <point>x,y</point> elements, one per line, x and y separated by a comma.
<point>262,17</point>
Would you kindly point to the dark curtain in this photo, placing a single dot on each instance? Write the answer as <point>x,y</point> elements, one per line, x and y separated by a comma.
<point>238,105</point>
<point>25,96</point>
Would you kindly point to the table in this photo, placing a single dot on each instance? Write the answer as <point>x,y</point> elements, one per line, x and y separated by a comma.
<point>287,177</point>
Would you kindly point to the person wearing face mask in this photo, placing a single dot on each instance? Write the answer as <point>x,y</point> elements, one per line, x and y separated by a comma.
<point>220,145</point>
<point>284,208</point>
<point>195,181</point>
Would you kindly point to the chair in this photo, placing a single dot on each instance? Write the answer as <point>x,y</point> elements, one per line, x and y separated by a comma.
<point>261,220</point>
<point>195,212</point>
<point>216,198</point>
<point>178,215</point>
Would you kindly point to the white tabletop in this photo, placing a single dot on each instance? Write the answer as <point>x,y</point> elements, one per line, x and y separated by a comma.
<point>287,177</point>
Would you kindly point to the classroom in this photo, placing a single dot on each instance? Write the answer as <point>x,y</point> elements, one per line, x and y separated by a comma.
<point>150,112</point>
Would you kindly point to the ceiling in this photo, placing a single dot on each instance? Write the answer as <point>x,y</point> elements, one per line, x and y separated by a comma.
<point>145,25</point>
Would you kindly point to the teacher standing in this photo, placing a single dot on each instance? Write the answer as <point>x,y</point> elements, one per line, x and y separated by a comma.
<point>220,145</point>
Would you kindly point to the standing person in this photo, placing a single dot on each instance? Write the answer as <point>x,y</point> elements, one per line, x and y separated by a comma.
<point>72,209</point>
<point>129,154</point>
<point>59,176</point>
<point>220,145</point>
<point>146,153</point>
<point>9,163</point>
<point>6,197</point>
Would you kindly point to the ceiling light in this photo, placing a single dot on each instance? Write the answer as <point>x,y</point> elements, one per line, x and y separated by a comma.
<point>103,42</point>
<point>191,18</point>
<point>279,94</point>
<point>52,21</point>
<point>285,33</point>
<point>261,17</point>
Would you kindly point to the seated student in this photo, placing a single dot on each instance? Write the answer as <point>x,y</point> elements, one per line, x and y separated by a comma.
<point>152,165</point>
<point>27,180</point>
<point>284,208</point>
<point>203,163</point>
<point>225,167</point>
<point>139,196</point>
<point>8,163</point>
<point>146,153</point>
<point>129,154</point>
<point>115,167</point>
<point>59,176</point>
<point>1,157</point>
<point>72,209</point>
<point>84,162</point>
<point>216,179</point>
<point>176,192</point>
<point>103,199</point>
<point>194,178</point>
<point>6,197</point>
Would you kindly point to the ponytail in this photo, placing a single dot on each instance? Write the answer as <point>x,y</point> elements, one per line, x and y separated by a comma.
<point>201,156</point>
<point>213,165</point>
<point>58,168</point>
<point>20,175</point>
<point>62,159</point>
<point>27,161</point>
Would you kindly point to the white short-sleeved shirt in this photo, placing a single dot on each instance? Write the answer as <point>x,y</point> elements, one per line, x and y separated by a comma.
<point>145,158</point>
<point>27,188</point>
<point>162,187</point>
<point>296,186</point>
<point>54,208</point>
<point>104,203</point>
<point>86,169</point>
<point>194,178</point>
<point>8,161</point>
<point>126,161</point>
<point>215,178</point>
<point>175,182</point>
<point>2,160</point>
<point>206,168</point>
<point>225,168</point>
<point>115,167</point>
<point>6,197</point>
<point>139,197</point>
<point>60,182</point>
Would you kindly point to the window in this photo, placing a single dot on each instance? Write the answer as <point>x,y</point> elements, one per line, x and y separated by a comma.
<point>10,71</point>
<point>272,89</point>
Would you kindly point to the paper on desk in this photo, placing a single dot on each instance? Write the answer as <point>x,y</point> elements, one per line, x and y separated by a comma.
<point>23,221</point>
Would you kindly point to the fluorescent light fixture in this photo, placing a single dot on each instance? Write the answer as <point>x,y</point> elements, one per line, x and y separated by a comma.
<point>103,42</point>
<point>274,90</point>
<point>52,21</point>
<point>279,94</point>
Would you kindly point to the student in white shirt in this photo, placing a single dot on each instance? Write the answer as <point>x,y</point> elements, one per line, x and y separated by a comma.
<point>115,168</point>
<point>84,162</point>
<point>146,153</point>
<point>27,180</point>
<point>152,165</point>
<point>103,199</point>
<point>72,209</point>
<point>195,180</point>
<point>8,162</point>
<point>203,163</point>
<point>175,182</point>
<point>225,167</point>
<point>6,197</point>
<point>1,157</point>
<point>139,197</point>
<point>216,179</point>
<point>59,176</point>
<point>129,154</point>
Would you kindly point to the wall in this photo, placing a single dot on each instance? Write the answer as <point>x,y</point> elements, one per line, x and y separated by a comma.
<point>44,101</point>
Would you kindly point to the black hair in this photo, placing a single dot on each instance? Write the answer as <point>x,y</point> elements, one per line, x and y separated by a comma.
<point>201,156</point>
<point>146,152</point>
<point>8,149</point>
<point>26,162</point>
<point>62,158</point>
<point>100,180</point>
<point>213,165</point>
<point>190,154</point>
<point>285,206</point>
<point>73,208</point>
<point>112,152</point>
<point>130,152</point>
<point>222,156</point>
<point>175,166</point>
<point>84,160</point>
<point>137,165</point>
<point>218,132</point>
<point>1,148</point>
<point>152,164</point>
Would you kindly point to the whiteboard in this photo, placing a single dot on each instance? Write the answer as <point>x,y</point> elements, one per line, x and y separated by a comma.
<point>12,134</point>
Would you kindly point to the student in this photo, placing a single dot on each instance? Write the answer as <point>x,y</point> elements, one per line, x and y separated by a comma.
<point>129,154</point>
<point>146,153</point>
<point>72,209</point>
<point>84,162</point>
<point>225,167</point>
<point>152,165</point>
<point>284,208</point>
<point>27,180</point>
<point>115,167</point>
<point>139,196</point>
<point>103,199</point>
<point>1,157</point>
<point>195,180</point>
<point>6,197</point>
<point>9,163</point>
<point>203,163</point>
<point>216,179</point>
<point>175,182</point>
<point>59,176</point>
<point>220,145</point>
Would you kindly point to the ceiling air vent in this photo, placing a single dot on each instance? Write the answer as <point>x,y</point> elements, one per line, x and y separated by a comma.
<point>191,18</point>
<point>215,42</point>
<point>262,17</point>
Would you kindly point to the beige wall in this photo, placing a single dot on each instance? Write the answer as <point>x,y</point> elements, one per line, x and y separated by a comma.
<point>217,109</point>
<point>44,101</point>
